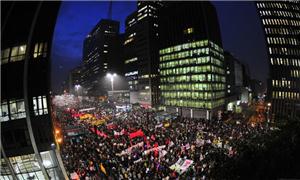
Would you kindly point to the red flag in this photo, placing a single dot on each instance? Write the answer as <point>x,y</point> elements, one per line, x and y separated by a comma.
<point>111,126</point>
<point>138,133</point>
<point>152,137</point>
<point>124,132</point>
<point>99,133</point>
<point>155,151</point>
<point>167,141</point>
<point>148,144</point>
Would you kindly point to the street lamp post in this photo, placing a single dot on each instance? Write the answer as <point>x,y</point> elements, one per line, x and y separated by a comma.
<point>111,76</point>
<point>268,112</point>
<point>77,86</point>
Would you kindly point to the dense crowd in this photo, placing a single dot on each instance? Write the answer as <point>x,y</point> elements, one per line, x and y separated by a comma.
<point>157,146</point>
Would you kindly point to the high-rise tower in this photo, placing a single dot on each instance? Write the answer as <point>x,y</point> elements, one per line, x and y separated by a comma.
<point>141,53</point>
<point>281,24</point>
<point>192,79</point>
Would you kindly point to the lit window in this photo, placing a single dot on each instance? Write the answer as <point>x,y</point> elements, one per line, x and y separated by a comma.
<point>131,60</point>
<point>188,31</point>
<point>17,53</point>
<point>17,109</point>
<point>4,112</point>
<point>128,41</point>
<point>5,55</point>
<point>40,50</point>
<point>40,105</point>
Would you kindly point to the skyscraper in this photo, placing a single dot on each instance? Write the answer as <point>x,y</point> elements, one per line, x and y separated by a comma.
<point>237,82</point>
<point>141,54</point>
<point>27,135</point>
<point>192,78</point>
<point>281,24</point>
<point>101,54</point>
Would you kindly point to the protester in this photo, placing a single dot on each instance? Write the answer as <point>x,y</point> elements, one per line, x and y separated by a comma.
<point>134,145</point>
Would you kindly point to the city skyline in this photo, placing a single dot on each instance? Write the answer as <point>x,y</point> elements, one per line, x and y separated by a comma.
<point>68,37</point>
<point>170,97</point>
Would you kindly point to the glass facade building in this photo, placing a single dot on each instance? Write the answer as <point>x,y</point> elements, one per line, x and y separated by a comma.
<point>27,144</point>
<point>192,75</point>
<point>281,25</point>
<point>191,60</point>
<point>26,167</point>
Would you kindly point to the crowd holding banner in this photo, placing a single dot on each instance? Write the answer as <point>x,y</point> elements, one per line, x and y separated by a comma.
<point>140,147</point>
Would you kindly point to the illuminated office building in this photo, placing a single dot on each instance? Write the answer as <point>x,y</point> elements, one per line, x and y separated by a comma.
<point>141,54</point>
<point>281,24</point>
<point>28,148</point>
<point>192,77</point>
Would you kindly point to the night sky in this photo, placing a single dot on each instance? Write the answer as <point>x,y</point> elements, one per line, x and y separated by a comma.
<point>240,27</point>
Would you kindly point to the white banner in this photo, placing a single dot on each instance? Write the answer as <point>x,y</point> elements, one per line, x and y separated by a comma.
<point>154,149</point>
<point>162,153</point>
<point>181,165</point>
<point>159,125</point>
<point>128,150</point>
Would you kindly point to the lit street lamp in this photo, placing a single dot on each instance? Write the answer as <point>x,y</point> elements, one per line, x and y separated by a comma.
<point>111,76</point>
<point>77,86</point>
<point>268,111</point>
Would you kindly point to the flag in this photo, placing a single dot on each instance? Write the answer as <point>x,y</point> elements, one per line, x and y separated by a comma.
<point>159,125</point>
<point>171,144</point>
<point>124,131</point>
<point>111,126</point>
<point>162,153</point>
<point>103,169</point>
<point>99,133</point>
<point>138,133</point>
<point>116,133</point>
<point>155,151</point>
<point>187,146</point>
<point>166,125</point>
<point>152,137</point>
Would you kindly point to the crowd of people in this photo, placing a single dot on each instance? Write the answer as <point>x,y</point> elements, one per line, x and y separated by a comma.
<point>136,145</point>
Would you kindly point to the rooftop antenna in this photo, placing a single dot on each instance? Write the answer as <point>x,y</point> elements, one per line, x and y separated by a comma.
<point>109,15</point>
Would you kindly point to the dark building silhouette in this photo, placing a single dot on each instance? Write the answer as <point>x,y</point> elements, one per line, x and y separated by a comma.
<point>27,139</point>
<point>258,88</point>
<point>238,90</point>
<point>75,79</point>
<point>101,54</point>
<point>281,25</point>
<point>192,76</point>
<point>234,75</point>
<point>141,54</point>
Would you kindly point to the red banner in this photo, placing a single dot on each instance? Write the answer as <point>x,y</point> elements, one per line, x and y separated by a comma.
<point>99,133</point>
<point>138,133</point>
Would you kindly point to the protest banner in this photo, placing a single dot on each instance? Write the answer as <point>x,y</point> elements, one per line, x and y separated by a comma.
<point>181,165</point>
<point>138,133</point>
<point>154,149</point>
<point>129,150</point>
